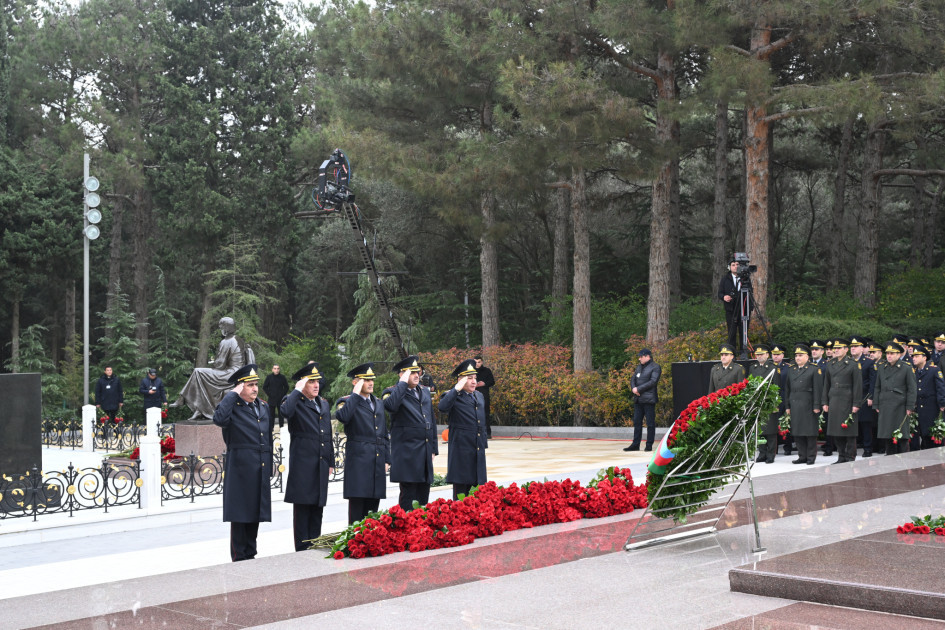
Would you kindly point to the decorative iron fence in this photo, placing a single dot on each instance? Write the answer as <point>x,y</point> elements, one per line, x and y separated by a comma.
<point>67,433</point>
<point>191,477</point>
<point>62,432</point>
<point>71,490</point>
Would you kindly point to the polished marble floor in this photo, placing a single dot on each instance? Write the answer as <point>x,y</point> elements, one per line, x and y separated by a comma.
<point>574,575</point>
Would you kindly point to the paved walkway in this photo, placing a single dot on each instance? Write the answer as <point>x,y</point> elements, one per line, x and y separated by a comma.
<point>169,567</point>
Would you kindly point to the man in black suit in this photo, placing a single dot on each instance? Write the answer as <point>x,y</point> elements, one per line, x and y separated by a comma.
<point>728,293</point>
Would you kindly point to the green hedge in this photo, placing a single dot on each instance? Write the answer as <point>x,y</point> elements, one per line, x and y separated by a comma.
<point>802,328</point>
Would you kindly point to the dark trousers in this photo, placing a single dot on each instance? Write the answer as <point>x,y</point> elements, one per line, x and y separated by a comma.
<point>769,449</point>
<point>806,448</point>
<point>243,541</point>
<point>734,328</point>
<point>643,411</point>
<point>273,412</point>
<point>410,492</point>
<point>359,507</point>
<point>306,524</point>
<point>461,488</point>
<point>895,449</point>
<point>866,436</point>
<point>846,448</point>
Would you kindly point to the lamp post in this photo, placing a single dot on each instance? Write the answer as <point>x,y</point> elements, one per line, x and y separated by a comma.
<point>91,215</point>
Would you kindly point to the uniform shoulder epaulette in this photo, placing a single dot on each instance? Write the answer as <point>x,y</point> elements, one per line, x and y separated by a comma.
<point>386,394</point>
<point>341,402</point>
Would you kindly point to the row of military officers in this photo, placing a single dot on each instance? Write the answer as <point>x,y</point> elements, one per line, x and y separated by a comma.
<point>405,448</point>
<point>877,385</point>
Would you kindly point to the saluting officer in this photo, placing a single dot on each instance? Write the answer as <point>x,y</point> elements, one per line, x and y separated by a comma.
<point>938,353</point>
<point>466,459</point>
<point>802,394</point>
<point>413,442</point>
<point>727,372</point>
<point>930,397</point>
<point>311,454</point>
<point>367,447</point>
<point>762,367</point>
<point>247,433</point>
<point>894,398</point>
<point>843,390</point>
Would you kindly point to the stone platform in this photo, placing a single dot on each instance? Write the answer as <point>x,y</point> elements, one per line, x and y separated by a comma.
<point>819,523</point>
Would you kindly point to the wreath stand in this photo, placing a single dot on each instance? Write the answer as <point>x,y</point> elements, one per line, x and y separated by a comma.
<point>708,462</point>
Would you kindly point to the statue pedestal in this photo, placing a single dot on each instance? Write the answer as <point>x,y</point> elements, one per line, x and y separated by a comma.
<point>204,440</point>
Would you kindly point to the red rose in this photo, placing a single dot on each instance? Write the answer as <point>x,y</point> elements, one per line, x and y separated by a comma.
<point>843,425</point>
<point>940,531</point>
<point>908,527</point>
<point>923,529</point>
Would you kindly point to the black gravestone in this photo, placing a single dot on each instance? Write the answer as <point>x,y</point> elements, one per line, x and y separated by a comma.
<point>21,417</point>
<point>691,381</point>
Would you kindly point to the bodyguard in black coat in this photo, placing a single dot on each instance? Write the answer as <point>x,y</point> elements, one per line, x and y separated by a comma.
<point>247,433</point>
<point>466,460</point>
<point>413,442</point>
<point>367,447</point>
<point>108,394</point>
<point>643,385</point>
<point>311,454</point>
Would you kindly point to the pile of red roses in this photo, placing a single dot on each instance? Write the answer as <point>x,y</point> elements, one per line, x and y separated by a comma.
<point>488,511</point>
<point>691,413</point>
<point>167,449</point>
<point>923,525</point>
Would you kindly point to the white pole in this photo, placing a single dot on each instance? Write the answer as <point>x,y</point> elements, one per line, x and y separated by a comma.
<point>149,450</point>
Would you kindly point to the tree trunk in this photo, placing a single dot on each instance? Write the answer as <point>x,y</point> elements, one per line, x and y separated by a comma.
<point>582,274</point>
<point>667,133</point>
<point>931,225</point>
<point>142,269</point>
<point>720,205</point>
<point>867,254</point>
<point>757,178</point>
<point>675,213</point>
<point>919,212</point>
<point>489,266</point>
<point>114,255</point>
<point>839,203</point>
<point>559,277</point>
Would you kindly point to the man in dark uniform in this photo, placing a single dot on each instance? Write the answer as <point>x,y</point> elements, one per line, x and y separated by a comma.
<point>865,417</point>
<point>937,355</point>
<point>875,353</point>
<point>311,454</point>
<point>367,446</point>
<point>247,433</point>
<point>108,395</point>
<point>782,366</point>
<point>894,395</point>
<point>829,446</point>
<point>413,439</point>
<point>276,387</point>
<point>802,392</point>
<point>843,390</point>
<point>727,372</point>
<point>930,398</point>
<point>728,293</point>
<point>769,426</point>
<point>466,459</point>
<point>643,386</point>
<point>483,385</point>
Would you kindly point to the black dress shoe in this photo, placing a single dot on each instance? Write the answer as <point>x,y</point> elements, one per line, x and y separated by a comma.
<point>828,452</point>
<point>760,459</point>
<point>810,463</point>
<point>799,461</point>
<point>632,447</point>
<point>867,453</point>
<point>787,450</point>
<point>649,448</point>
<point>769,461</point>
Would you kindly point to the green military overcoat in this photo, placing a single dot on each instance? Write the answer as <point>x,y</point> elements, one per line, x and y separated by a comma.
<point>894,392</point>
<point>802,394</point>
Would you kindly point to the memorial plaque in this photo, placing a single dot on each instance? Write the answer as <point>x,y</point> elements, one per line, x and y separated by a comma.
<point>21,418</point>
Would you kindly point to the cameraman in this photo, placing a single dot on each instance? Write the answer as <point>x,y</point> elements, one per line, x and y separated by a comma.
<point>728,293</point>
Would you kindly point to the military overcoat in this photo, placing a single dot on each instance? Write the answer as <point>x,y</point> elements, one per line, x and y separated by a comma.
<point>843,390</point>
<point>720,377</point>
<point>367,447</point>
<point>311,450</point>
<point>413,439</point>
<point>247,434</point>
<point>802,394</point>
<point>893,393</point>
<point>466,460</point>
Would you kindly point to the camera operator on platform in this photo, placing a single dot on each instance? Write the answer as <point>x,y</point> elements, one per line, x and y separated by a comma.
<point>736,281</point>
